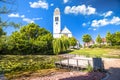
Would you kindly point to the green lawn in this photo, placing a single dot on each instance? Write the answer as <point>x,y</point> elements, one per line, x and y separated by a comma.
<point>98,52</point>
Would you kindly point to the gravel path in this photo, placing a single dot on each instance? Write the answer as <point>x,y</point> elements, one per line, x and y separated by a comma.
<point>74,75</point>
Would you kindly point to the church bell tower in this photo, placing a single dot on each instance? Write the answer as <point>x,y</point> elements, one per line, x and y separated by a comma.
<point>56,23</point>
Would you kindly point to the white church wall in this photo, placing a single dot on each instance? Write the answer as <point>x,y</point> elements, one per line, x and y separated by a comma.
<point>56,24</point>
<point>69,35</point>
<point>56,35</point>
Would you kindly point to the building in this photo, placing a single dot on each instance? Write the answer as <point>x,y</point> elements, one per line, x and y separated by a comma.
<point>92,42</point>
<point>57,31</point>
<point>104,41</point>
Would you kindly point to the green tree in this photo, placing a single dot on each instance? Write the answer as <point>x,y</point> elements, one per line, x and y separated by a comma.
<point>60,45</point>
<point>86,38</point>
<point>32,39</point>
<point>5,8</point>
<point>109,38</point>
<point>117,38</point>
<point>72,41</point>
<point>2,32</point>
<point>99,39</point>
<point>3,44</point>
<point>57,46</point>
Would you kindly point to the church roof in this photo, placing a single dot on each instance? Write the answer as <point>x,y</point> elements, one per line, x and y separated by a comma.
<point>57,11</point>
<point>65,30</point>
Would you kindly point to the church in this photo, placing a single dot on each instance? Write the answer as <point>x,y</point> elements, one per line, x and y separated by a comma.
<point>57,31</point>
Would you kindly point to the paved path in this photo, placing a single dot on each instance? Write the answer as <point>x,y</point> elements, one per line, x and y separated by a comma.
<point>113,66</point>
<point>2,77</point>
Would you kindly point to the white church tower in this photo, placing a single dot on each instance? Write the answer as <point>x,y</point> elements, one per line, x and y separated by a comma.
<point>56,23</point>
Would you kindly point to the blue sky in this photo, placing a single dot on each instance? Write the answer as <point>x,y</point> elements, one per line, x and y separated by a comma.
<point>80,16</point>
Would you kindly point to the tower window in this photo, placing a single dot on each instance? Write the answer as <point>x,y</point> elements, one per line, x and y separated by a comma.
<point>56,18</point>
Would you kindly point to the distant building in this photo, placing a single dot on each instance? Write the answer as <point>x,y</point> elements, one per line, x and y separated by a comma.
<point>57,32</point>
<point>92,42</point>
<point>104,41</point>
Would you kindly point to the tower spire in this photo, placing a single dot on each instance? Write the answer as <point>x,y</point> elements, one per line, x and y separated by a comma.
<point>56,23</point>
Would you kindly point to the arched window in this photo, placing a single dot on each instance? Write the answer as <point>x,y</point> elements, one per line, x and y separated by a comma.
<point>56,18</point>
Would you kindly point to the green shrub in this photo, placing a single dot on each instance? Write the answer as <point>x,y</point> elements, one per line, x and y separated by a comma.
<point>89,68</point>
<point>26,63</point>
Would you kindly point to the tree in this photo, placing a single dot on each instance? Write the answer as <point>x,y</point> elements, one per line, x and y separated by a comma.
<point>4,44</point>
<point>86,38</point>
<point>72,41</point>
<point>109,38</point>
<point>32,39</point>
<point>6,10</point>
<point>57,46</point>
<point>2,32</point>
<point>60,45</point>
<point>99,39</point>
<point>117,38</point>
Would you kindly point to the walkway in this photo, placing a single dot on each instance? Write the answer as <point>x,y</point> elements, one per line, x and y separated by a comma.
<point>2,77</point>
<point>113,66</point>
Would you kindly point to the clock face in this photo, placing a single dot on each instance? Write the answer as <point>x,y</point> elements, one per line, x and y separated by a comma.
<point>56,23</point>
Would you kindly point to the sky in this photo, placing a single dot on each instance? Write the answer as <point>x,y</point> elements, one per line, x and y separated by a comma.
<point>80,16</point>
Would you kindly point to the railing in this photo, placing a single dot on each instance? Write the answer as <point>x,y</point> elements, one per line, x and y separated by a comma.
<point>82,62</point>
<point>74,63</point>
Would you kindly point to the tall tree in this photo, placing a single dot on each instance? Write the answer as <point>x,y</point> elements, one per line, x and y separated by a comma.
<point>72,41</point>
<point>117,38</point>
<point>99,39</point>
<point>109,38</point>
<point>32,39</point>
<point>60,45</point>
<point>86,38</point>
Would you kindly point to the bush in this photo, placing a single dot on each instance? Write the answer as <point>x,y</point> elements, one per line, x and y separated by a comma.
<point>89,68</point>
<point>111,47</point>
<point>11,63</point>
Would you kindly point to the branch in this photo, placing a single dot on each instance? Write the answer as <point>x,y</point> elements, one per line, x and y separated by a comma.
<point>8,1</point>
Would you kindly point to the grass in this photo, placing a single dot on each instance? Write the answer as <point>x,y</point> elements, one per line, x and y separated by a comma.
<point>98,52</point>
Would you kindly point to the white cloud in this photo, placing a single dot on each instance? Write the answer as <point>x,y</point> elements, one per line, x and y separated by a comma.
<point>65,1</point>
<point>115,20</point>
<point>39,4</point>
<point>107,14</point>
<point>104,22</point>
<point>28,20</point>
<point>14,15</point>
<point>36,18</point>
<point>22,16</point>
<point>81,9</point>
<point>84,24</point>
<point>51,4</point>
<point>98,23</point>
